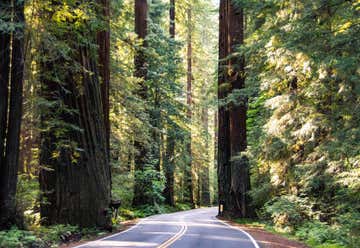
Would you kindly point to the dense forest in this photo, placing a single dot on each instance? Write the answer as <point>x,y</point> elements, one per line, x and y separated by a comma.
<point>119,109</point>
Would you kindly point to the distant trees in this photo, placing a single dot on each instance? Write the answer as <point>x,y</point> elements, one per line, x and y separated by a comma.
<point>75,174</point>
<point>11,86</point>
<point>233,168</point>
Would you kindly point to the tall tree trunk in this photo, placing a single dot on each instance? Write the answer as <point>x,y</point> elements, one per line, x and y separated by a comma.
<point>215,165</point>
<point>169,163</point>
<point>233,168</point>
<point>189,197</point>
<point>5,35</point>
<point>103,40</point>
<point>9,159</point>
<point>141,15</point>
<point>223,166</point>
<point>240,172</point>
<point>205,173</point>
<point>75,176</point>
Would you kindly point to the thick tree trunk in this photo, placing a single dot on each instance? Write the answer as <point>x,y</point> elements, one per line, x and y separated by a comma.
<point>189,187</point>
<point>11,126</point>
<point>75,176</point>
<point>141,15</point>
<point>240,172</point>
<point>5,10</point>
<point>234,178</point>
<point>223,166</point>
<point>76,183</point>
<point>103,40</point>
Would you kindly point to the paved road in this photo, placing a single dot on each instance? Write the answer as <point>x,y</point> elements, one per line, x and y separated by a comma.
<point>195,228</point>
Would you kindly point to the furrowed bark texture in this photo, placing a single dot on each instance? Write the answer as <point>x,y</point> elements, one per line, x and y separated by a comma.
<point>141,15</point>
<point>103,40</point>
<point>224,172</point>
<point>10,108</point>
<point>233,168</point>
<point>75,176</point>
<point>240,174</point>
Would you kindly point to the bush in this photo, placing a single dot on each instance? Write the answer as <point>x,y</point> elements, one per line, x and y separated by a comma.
<point>317,234</point>
<point>287,212</point>
<point>16,238</point>
<point>59,233</point>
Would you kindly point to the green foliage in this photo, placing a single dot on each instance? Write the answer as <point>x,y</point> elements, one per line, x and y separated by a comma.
<point>318,234</point>
<point>44,237</point>
<point>287,212</point>
<point>302,64</point>
<point>15,238</point>
<point>28,198</point>
<point>57,233</point>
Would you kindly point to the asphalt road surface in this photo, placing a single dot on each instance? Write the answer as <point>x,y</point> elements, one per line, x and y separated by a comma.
<point>195,228</point>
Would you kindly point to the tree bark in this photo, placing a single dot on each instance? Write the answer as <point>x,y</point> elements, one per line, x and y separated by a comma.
<point>75,175</point>
<point>223,168</point>
<point>9,161</point>
<point>240,172</point>
<point>205,173</point>
<point>141,15</point>
<point>103,40</point>
<point>169,163</point>
<point>234,172</point>
<point>189,187</point>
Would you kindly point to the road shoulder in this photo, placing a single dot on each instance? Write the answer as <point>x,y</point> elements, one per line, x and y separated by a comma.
<point>266,239</point>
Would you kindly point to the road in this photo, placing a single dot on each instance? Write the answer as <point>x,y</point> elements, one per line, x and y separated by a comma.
<point>195,228</point>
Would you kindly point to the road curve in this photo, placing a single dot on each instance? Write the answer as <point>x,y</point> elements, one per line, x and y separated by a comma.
<point>195,228</point>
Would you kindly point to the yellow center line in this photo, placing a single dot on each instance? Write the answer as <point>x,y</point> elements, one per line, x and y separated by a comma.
<point>174,238</point>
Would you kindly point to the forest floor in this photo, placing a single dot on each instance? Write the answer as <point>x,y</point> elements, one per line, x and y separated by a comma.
<point>266,239</point>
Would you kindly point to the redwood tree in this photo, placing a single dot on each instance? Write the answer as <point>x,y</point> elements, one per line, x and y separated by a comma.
<point>233,168</point>
<point>11,86</point>
<point>169,163</point>
<point>75,175</point>
<point>189,187</point>
<point>141,15</point>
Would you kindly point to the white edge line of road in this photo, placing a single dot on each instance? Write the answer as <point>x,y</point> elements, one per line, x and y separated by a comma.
<point>113,235</point>
<point>239,229</point>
